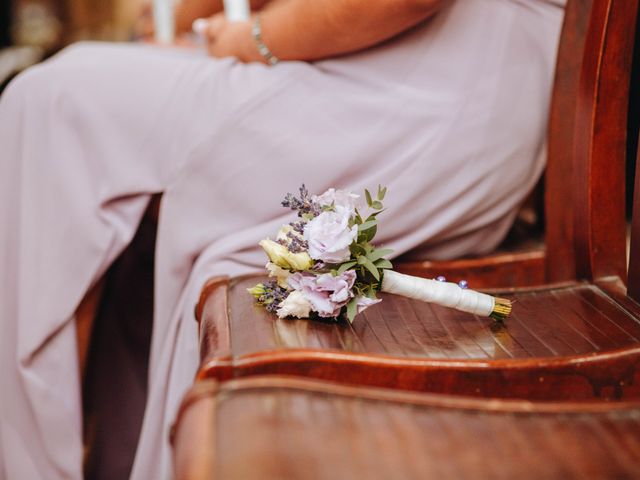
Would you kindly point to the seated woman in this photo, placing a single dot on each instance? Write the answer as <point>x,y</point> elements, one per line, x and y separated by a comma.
<point>444,102</point>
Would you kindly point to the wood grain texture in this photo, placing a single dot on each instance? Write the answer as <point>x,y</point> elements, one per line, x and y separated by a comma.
<point>600,146</point>
<point>518,268</point>
<point>559,232</point>
<point>283,428</point>
<point>634,250</point>
<point>560,343</point>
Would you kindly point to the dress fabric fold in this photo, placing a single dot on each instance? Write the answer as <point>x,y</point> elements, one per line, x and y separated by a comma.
<point>450,116</point>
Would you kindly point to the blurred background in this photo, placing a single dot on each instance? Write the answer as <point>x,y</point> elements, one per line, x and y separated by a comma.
<point>34,29</point>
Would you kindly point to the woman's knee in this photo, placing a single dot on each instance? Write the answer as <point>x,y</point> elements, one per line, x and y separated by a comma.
<point>47,80</point>
<point>30,85</point>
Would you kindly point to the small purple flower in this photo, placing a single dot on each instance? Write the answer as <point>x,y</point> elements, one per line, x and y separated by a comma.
<point>326,294</point>
<point>303,205</point>
<point>272,296</point>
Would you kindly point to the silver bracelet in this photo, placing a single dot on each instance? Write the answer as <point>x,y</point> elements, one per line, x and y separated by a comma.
<point>256,31</point>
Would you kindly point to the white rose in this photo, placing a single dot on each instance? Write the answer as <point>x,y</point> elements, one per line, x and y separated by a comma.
<point>329,236</point>
<point>295,305</point>
<point>339,198</point>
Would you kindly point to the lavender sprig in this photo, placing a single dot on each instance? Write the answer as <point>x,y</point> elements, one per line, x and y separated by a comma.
<point>269,294</point>
<point>294,243</point>
<point>303,205</point>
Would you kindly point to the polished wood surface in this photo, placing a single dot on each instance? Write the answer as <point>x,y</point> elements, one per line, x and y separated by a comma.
<point>600,141</point>
<point>634,249</point>
<point>570,320</point>
<point>283,428</point>
<point>571,341</point>
<point>518,268</point>
<point>559,232</point>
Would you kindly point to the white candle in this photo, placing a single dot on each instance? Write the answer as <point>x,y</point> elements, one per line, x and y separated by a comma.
<point>163,21</point>
<point>237,10</point>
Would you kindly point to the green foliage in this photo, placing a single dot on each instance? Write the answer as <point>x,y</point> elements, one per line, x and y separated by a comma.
<point>345,266</point>
<point>366,260</point>
<point>352,309</point>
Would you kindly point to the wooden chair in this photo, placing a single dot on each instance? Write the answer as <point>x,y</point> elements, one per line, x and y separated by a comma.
<point>577,337</point>
<point>274,428</point>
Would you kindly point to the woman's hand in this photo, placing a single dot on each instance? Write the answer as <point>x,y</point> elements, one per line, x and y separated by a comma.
<point>185,12</point>
<point>143,27</point>
<point>315,29</point>
<point>230,39</point>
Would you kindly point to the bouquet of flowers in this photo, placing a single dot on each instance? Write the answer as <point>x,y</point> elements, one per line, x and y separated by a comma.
<point>324,264</point>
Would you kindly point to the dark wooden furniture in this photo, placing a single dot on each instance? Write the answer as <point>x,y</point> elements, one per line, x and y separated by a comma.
<point>572,342</point>
<point>577,339</point>
<point>275,428</point>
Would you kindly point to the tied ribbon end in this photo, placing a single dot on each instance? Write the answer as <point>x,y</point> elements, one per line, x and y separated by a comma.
<point>501,309</point>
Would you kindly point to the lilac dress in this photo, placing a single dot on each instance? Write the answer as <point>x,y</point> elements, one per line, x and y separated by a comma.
<point>450,116</point>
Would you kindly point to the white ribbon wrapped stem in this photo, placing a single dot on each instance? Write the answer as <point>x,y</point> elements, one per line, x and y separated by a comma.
<point>446,294</point>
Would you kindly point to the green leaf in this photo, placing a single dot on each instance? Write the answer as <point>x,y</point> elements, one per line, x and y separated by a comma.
<point>374,215</point>
<point>368,264</point>
<point>352,309</point>
<point>379,253</point>
<point>345,266</point>
<point>368,195</point>
<point>357,249</point>
<point>367,225</point>
<point>358,217</point>
<point>383,263</point>
<point>381,192</point>
<point>371,233</point>
<point>377,205</point>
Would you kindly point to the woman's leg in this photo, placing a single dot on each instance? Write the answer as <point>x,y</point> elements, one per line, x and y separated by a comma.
<point>86,139</point>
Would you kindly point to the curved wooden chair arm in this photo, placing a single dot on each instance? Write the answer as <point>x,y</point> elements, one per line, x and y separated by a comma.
<point>276,427</point>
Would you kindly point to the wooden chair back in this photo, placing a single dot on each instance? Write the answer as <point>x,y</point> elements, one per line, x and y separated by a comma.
<point>584,199</point>
<point>633,282</point>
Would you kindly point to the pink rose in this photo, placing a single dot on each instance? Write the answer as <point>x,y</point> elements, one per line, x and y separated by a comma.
<point>326,294</point>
